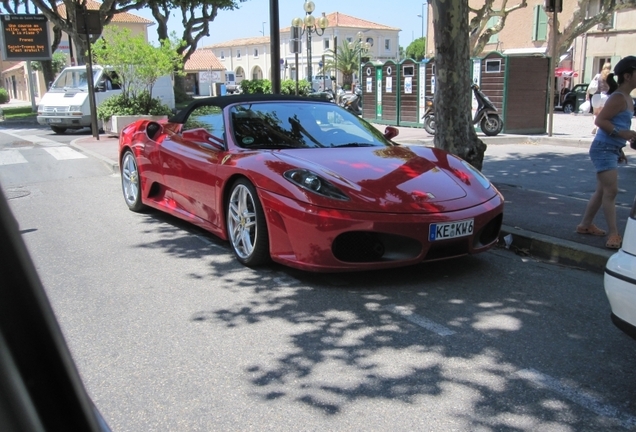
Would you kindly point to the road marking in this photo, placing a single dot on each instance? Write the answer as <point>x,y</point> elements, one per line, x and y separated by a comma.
<point>577,396</point>
<point>11,157</point>
<point>419,320</point>
<point>35,139</point>
<point>64,153</point>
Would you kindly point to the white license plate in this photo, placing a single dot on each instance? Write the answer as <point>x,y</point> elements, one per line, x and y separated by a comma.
<point>54,120</point>
<point>448,230</point>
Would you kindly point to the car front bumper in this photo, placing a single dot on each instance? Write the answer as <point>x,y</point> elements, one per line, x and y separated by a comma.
<point>316,239</point>
<point>620,288</point>
<point>65,121</point>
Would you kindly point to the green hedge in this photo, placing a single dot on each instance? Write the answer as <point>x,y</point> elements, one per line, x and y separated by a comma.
<point>4,96</point>
<point>287,87</point>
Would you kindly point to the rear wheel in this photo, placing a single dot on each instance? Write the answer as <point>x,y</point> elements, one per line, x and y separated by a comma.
<point>246,226</point>
<point>429,124</point>
<point>130,182</point>
<point>492,124</point>
<point>568,108</point>
<point>58,129</point>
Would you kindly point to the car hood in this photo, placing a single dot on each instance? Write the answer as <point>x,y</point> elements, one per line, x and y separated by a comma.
<point>391,179</point>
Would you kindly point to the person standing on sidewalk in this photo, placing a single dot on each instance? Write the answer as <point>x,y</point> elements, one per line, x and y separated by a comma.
<point>598,99</point>
<point>606,152</point>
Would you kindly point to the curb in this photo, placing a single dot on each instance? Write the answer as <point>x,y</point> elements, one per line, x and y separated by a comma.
<point>113,165</point>
<point>556,250</point>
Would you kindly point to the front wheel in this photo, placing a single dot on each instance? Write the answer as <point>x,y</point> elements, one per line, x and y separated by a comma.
<point>130,182</point>
<point>492,124</point>
<point>429,123</point>
<point>246,226</point>
<point>568,108</point>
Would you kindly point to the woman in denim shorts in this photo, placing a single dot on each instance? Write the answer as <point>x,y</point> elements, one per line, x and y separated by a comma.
<point>613,122</point>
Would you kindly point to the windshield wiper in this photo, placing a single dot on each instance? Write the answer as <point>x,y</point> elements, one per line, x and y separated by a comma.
<point>355,144</point>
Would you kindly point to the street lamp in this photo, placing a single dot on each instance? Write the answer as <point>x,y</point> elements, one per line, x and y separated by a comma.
<point>310,25</point>
<point>360,46</point>
<point>263,25</point>
<point>424,18</point>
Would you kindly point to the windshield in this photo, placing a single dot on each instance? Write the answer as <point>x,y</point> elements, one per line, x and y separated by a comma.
<point>301,125</point>
<point>74,79</point>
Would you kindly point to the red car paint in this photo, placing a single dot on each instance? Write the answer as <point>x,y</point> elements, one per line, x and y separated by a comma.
<point>395,192</point>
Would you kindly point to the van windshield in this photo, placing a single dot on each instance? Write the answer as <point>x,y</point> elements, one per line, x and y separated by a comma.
<point>74,79</point>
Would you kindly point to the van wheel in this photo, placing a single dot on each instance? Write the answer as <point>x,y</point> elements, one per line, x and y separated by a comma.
<point>58,130</point>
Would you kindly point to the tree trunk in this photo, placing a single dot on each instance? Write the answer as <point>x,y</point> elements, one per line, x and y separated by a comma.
<point>455,131</point>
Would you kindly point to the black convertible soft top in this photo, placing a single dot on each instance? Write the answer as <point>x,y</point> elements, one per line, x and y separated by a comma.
<point>223,101</point>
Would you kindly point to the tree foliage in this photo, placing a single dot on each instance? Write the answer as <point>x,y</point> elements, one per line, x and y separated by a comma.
<point>346,60</point>
<point>58,62</point>
<point>579,23</point>
<point>138,64</point>
<point>196,17</point>
<point>416,49</point>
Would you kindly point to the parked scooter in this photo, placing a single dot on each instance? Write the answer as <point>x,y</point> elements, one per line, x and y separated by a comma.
<point>487,115</point>
<point>352,101</point>
<point>327,95</point>
<point>429,116</point>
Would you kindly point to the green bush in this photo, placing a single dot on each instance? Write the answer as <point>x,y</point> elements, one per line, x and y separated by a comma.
<point>256,87</point>
<point>143,104</point>
<point>288,87</point>
<point>4,96</point>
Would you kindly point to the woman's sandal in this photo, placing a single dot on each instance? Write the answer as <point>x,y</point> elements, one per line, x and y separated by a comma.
<point>614,242</point>
<point>591,230</point>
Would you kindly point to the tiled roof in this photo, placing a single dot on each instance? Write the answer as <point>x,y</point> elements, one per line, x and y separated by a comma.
<point>203,59</point>
<point>336,19</point>
<point>123,17</point>
<point>240,42</point>
<point>18,65</point>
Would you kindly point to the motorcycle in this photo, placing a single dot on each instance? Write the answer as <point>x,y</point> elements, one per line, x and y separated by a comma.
<point>352,101</point>
<point>429,116</point>
<point>327,95</point>
<point>487,115</point>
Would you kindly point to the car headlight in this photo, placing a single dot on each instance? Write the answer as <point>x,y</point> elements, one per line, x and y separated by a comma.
<point>75,108</point>
<point>478,175</point>
<point>314,183</point>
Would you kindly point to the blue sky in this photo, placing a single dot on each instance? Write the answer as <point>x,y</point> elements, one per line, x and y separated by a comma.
<point>248,20</point>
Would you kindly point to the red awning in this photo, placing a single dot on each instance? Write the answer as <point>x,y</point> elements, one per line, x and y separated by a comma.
<point>560,72</point>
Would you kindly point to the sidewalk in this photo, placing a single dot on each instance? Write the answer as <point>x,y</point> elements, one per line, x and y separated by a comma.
<point>546,182</point>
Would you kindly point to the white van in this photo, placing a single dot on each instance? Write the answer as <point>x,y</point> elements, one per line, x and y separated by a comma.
<point>321,83</point>
<point>66,104</point>
<point>230,82</point>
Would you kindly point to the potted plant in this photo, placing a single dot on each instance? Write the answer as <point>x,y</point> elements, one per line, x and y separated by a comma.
<point>138,66</point>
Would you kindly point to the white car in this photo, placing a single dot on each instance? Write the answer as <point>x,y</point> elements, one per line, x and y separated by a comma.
<point>620,280</point>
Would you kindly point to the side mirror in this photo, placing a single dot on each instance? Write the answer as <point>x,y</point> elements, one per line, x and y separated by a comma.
<point>391,132</point>
<point>101,87</point>
<point>153,129</point>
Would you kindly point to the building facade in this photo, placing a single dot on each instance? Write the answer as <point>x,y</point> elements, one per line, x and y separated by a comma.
<point>526,31</point>
<point>249,57</point>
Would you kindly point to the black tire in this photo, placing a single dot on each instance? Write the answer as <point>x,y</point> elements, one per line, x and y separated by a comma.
<point>58,129</point>
<point>131,182</point>
<point>491,124</point>
<point>429,123</point>
<point>568,108</point>
<point>246,225</point>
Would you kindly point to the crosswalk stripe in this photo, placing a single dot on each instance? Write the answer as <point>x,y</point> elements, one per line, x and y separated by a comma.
<point>64,153</point>
<point>40,140</point>
<point>11,157</point>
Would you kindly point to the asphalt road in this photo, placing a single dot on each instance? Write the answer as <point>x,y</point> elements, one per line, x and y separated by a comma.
<point>170,333</point>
